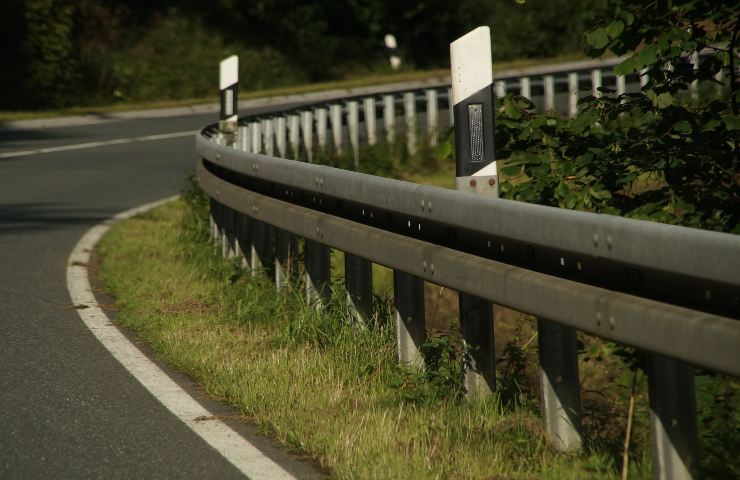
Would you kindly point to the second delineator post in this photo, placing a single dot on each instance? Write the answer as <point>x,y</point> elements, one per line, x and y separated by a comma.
<point>472,94</point>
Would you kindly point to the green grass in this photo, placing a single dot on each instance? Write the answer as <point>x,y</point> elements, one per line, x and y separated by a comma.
<point>347,83</point>
<point>309,378</point>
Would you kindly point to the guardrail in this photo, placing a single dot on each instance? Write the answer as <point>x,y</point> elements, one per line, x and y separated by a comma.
<point>671,291</point>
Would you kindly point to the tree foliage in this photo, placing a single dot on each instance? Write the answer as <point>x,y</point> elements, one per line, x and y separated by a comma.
<point>59,52</point>
<point>660,154</point>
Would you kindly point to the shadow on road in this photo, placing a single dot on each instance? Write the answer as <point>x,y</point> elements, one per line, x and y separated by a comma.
<point>29,217</point>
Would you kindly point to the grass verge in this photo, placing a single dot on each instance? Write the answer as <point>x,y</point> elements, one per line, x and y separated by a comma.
<point>309,378</point>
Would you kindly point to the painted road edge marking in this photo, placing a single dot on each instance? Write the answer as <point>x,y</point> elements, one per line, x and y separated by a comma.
<point>102,143</point>
<point>235,448</point>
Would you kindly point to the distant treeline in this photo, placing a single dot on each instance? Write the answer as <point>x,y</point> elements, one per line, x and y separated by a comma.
<point>82,52</point>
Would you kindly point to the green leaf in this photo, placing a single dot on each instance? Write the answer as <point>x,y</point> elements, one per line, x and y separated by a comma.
<point>682,127</point>
<point>598,38</point>
<point>512,170</point>
<point>627,66</point>
<point>511,109</point>
<point>614,29</point>
<point>647,56</point>
<point>732,122</point>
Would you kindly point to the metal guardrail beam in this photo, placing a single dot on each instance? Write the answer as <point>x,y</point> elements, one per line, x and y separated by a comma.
<point>702,339</point>
<point>700,254</point>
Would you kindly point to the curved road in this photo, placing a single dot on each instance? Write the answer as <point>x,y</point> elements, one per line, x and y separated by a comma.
<point>67,408</point>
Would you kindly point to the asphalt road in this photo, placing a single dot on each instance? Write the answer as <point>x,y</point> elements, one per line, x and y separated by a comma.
<point>67,408</point>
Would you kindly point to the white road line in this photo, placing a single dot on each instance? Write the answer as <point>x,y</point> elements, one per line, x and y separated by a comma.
<point>80,146</point>
<point>237,450</point>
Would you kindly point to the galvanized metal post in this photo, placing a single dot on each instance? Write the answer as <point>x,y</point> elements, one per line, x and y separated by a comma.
<point>294,135</point>
<point>244,239</point>
<point>268,136</point>
<point>525,87</point>
<point>572,94</point>
<point>286,258</point>
<point>280,136</point>
<point>213,220</point>
<point>389,118</point>
<point>335,114</point>
<point>409,112</point>
<point>358,283</point>
<point>560,397</point>
<point>368,108</point>
<point>694,87</point>
<point>621,85</point>
<point>321,127</point>
<point>472,91</point>
<point>501,88</point>
<point>318,272</point>
<point>254,127</point>
<point>307,129</point>
<point>644,78</point>
<point>263,237</point>
<point>432,117</point>
<point>229,238</point>
<point>596,82</point>
<point>549,86</point>
<point>353,123</point>
<point>672,418</point>
<point>243,138</point>
<point>408,302</point>
<point>229,89</point>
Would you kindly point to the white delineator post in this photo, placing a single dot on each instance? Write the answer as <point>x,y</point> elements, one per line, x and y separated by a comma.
<point>228,87</point>
<point>472,95</point>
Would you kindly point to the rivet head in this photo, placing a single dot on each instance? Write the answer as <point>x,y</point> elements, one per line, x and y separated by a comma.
<point>492,181</point>
<point>473,183</point>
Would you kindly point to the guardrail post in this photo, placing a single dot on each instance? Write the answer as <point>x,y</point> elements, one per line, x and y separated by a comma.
<point>644,78</point>
<point>294,135</point>
<point>549,86</point>
<point>256,137</point>
<point>286,258</point>
<point>572,94</point>
<point>244,239</point>
<point>263,237</point>
<point>321,127</point>
<point>596,82</point>
<point>389,118</point>
<point>560,397</point>
<point>694,87</point>
<point>472,90</point>
<point>368,109</point>
<point>358,283</point>
<point>243,138</point>
<point>353,122</point>
<point>672,418</point>
<point>318,272</point>
<point>213,220</point>
<point>280,136</point>
<point>432,117</point>
<point>409,111</point>
<point>229,237</point>
<point>335,114</point>
<point>525,87</point>
<point>307,128</point>
<point>408,303</point>
<point>229,89</point>
<point>268,136</point>
<point>501,88</point>
<point>621,85</point>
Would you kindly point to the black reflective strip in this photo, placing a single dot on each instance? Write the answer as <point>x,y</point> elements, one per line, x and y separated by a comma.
<point>474,147</point>
<point>234,90</point>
